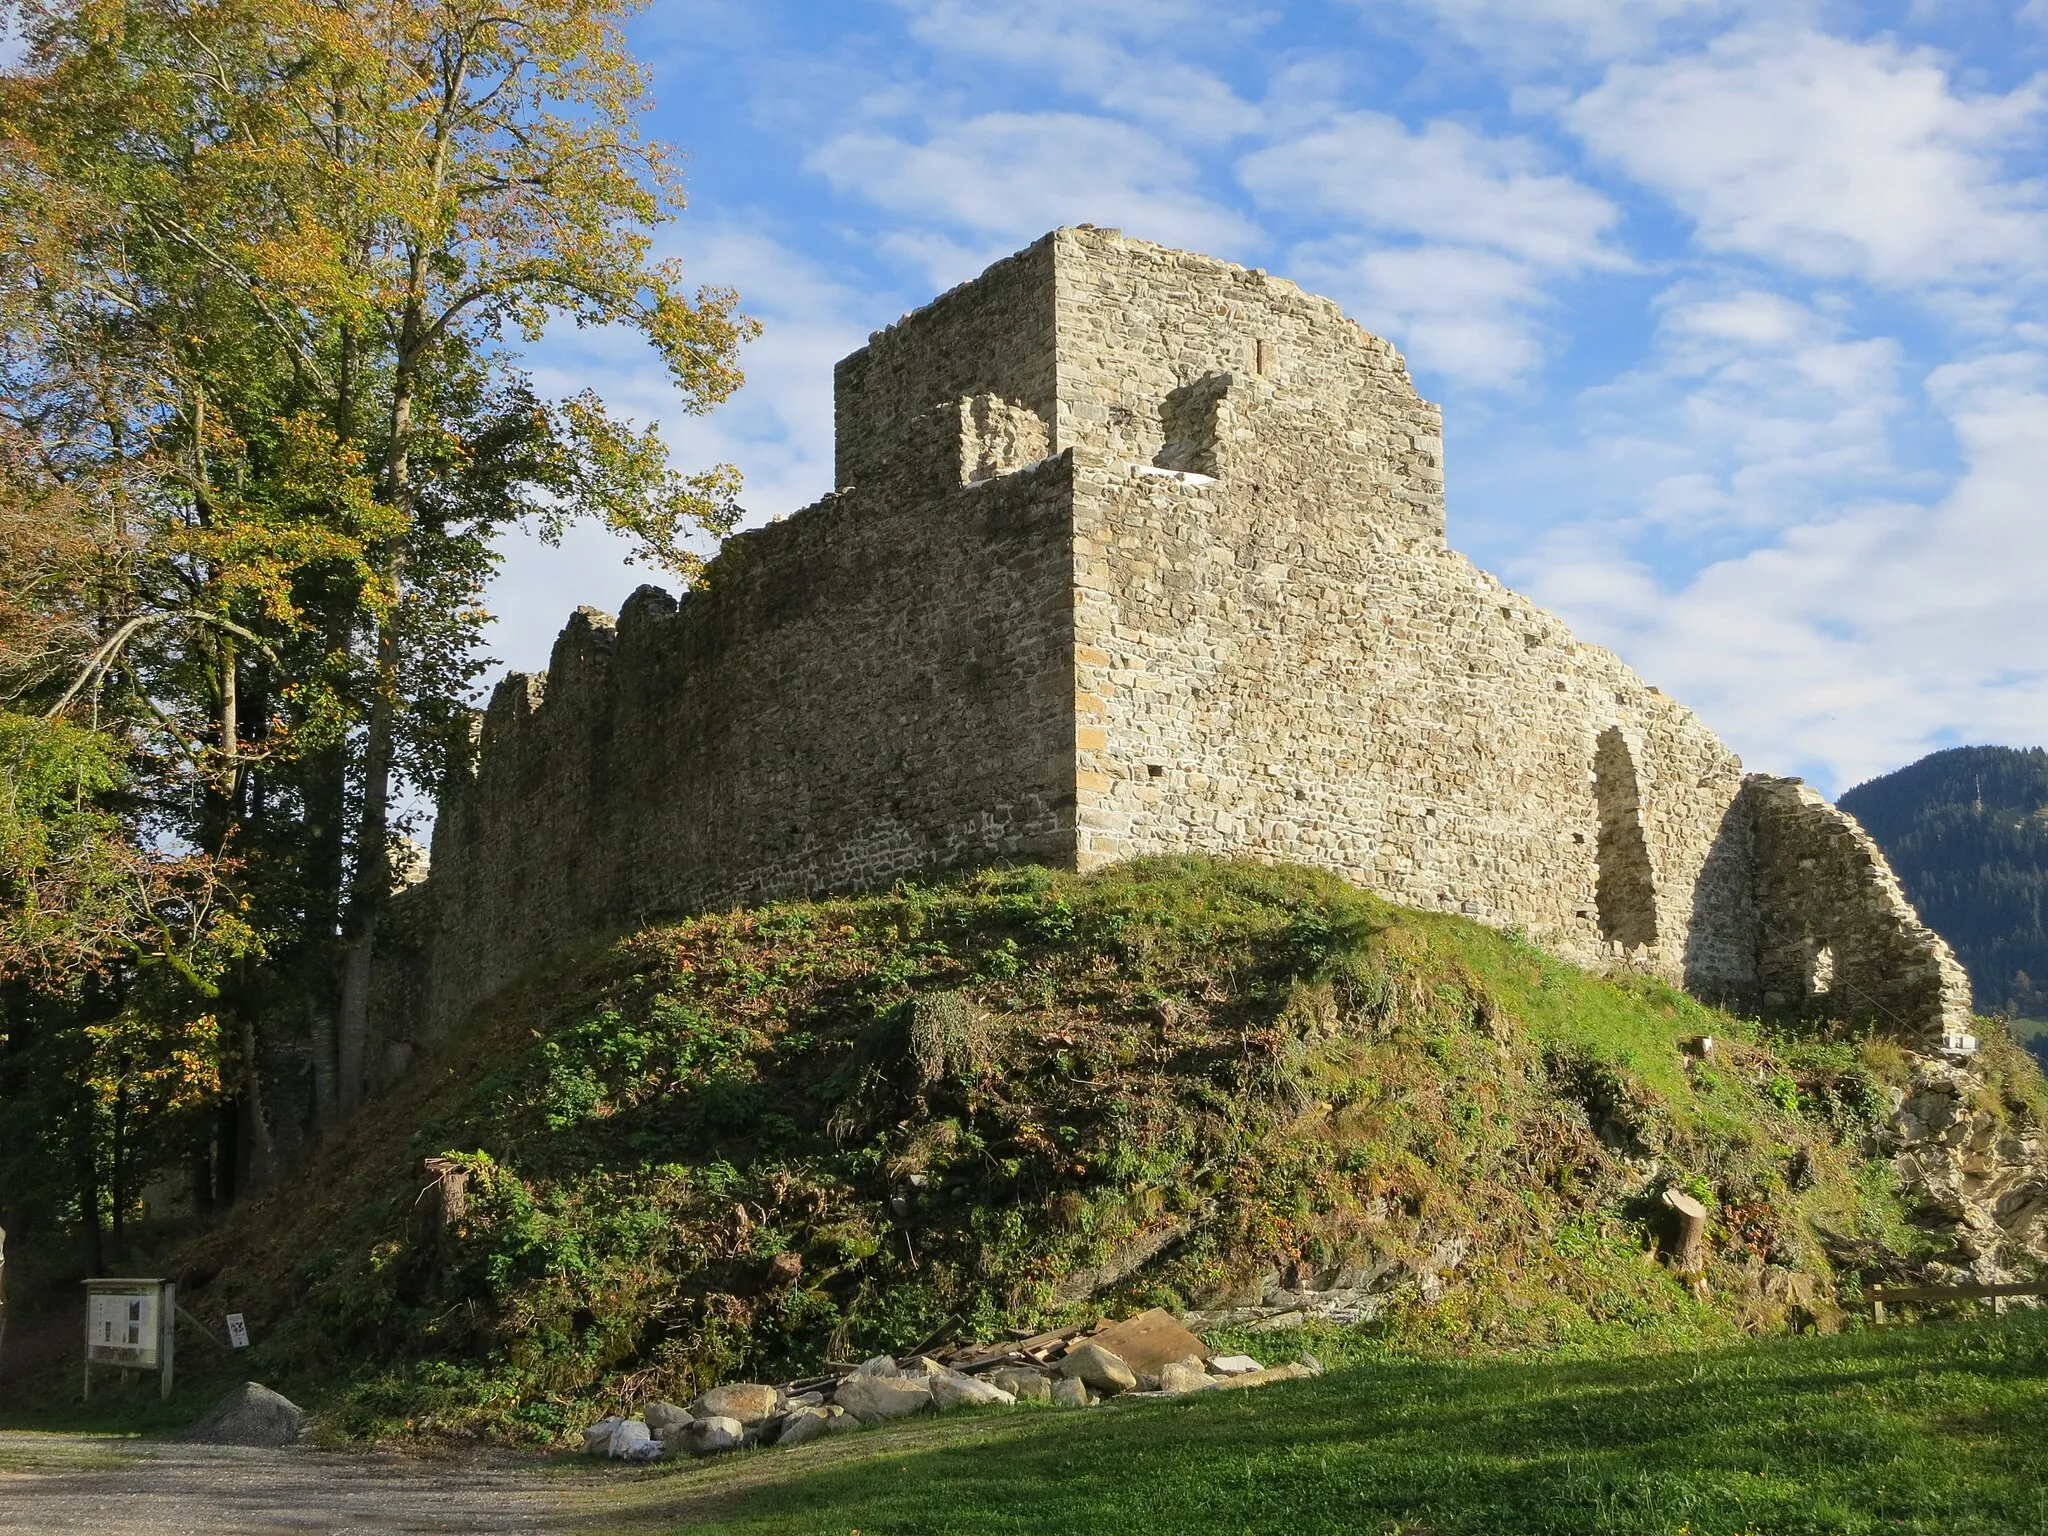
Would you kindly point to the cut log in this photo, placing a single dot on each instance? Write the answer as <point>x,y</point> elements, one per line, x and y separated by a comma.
<point>1691,1221</point>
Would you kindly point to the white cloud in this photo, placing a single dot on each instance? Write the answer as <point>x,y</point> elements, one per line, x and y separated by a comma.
<point>1519,34</point>
<point>1864,637</point>
<point>1830,156</point>
<point>1118,55</point>
<point>1445,183</point>
<point>1005,178</point>
<point>1461,311</point>
<point>1752,411</point>
<point>1451,236</point>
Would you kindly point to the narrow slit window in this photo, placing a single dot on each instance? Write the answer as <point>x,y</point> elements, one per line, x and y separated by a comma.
<point>1625,895</point>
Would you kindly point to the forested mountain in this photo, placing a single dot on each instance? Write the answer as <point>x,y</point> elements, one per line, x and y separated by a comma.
<point>1967,831</point>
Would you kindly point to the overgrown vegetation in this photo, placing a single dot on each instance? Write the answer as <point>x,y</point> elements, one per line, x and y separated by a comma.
<point>957,1097</point>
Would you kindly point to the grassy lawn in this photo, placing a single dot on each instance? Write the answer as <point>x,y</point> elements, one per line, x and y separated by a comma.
<point>1928,1429</point>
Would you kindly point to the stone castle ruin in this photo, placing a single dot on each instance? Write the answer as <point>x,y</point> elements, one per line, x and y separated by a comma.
<point>1138,552</point>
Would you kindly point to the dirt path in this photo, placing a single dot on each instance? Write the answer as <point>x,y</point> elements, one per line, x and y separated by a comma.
<point>59,1483</point>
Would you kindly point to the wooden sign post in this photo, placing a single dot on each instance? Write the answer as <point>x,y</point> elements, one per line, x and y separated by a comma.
<point>130,1325</point>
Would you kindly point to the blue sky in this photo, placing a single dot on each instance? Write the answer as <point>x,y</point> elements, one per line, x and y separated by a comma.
<point>1736,311</point>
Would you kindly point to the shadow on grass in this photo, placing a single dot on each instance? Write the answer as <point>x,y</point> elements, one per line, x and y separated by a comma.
<point>1932,1430</point>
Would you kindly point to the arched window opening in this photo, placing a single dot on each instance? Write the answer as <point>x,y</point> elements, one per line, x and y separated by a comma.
<point>1626,895</point>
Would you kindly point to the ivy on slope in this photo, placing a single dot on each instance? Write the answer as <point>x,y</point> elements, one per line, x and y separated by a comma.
<point>743,1144</point>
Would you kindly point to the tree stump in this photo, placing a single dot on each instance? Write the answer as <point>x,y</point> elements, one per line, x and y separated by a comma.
<point>1691,1222</point>
<point>447,1197</point>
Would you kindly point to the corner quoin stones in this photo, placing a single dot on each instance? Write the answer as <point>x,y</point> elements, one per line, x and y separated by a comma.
<point>1139,552</point>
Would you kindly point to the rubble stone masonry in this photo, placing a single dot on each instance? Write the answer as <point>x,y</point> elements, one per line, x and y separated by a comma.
<point>1138,552</point>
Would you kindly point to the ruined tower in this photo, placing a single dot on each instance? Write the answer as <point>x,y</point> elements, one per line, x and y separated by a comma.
<point>1137,552</point>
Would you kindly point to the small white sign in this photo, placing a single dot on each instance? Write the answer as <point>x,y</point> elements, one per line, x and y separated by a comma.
<point>238,1331</point>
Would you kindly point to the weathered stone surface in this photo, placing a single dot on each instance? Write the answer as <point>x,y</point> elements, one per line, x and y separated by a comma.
<point>251,1414</point>
<point>1234,1365</point>
<point>712,1435</point>
<point>1266,1377</point>
<point>881,1365</point>
<point>1138,552</point>
<point>950,1389</point>
<point>840,1422</point>
<point>597,1438</point>
<point>1023,1384</point>
<point>1982,1183</point>
<point>1099,1368</point>
<point>1070,1392</point>
<point>882,1397</point>
<point>803,1425</point>
<point>660,1415</point>
<point>1180,1376</point>
<point>748,1402</point>
<point>632,1441</point>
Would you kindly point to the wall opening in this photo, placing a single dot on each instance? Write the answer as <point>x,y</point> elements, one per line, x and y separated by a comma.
<point>1188,418</point>
<point>1820,972</point>
<point>1626,894</point>
<point>997,437</point>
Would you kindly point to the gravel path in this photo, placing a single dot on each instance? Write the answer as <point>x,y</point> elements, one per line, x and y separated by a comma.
<point>59,1483</point>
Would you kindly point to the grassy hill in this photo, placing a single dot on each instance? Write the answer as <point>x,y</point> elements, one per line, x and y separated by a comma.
<point>739,1145</point>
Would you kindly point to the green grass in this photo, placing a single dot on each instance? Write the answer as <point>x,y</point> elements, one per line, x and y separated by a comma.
<point>1923,1430</point>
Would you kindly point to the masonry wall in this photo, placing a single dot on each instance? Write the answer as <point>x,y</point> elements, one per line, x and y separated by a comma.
<point>1139,552</point>
<point>880,684</point>
<point>1280,657</point>
<point>1836,937</point>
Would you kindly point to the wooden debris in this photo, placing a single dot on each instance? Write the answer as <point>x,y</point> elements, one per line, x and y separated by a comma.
<point>1149,1340</point>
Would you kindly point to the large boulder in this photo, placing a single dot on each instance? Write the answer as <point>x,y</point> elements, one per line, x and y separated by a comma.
<point>660,1416</point>
<point>632,1441</point>
<point>950,1389</point>
<point>1101,1369</point>
<point>1023,1383</point>
<point>882,1397</point>
<point>711,1435</point>
<point>1070,1392</point>
<point>252,1414</point>
<point>1184,1376</point>
<point>745,1401</point>
<point>804,1425</point>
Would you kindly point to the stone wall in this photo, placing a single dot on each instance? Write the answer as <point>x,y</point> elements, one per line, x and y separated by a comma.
<point>1279,656</point>
<point>1139,552</point>
<point>1836,936</point>
<point>879,685</point>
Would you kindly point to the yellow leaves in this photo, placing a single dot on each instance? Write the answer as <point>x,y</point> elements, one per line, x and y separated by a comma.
<point>170,1066</point>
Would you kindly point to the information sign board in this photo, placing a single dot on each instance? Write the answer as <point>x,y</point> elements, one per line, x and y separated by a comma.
<point>238,1331</point>
<point>130,1324</point>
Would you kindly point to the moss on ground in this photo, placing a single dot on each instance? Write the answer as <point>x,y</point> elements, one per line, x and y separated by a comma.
<point>949,1098</point>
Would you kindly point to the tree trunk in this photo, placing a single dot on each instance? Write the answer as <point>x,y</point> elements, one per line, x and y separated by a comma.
<point>373,862</point>
<point>262,1147</point>
<point>91,1249</point>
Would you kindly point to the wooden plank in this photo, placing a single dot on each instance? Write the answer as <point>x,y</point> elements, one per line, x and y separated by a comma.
<point>1150,1340</point>
<point>1882,1294</point>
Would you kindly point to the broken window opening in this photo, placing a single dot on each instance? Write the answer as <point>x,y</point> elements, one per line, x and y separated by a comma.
<point>1626,893</point>
<point>998,437</point>
<point>1188,417</point>
<point>1820,972</point>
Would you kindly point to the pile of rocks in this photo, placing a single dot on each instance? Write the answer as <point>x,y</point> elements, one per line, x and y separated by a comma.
<point>1072,1368</point>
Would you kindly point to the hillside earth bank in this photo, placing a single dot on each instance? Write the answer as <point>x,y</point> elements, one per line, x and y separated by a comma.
<point>738,1146</point>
